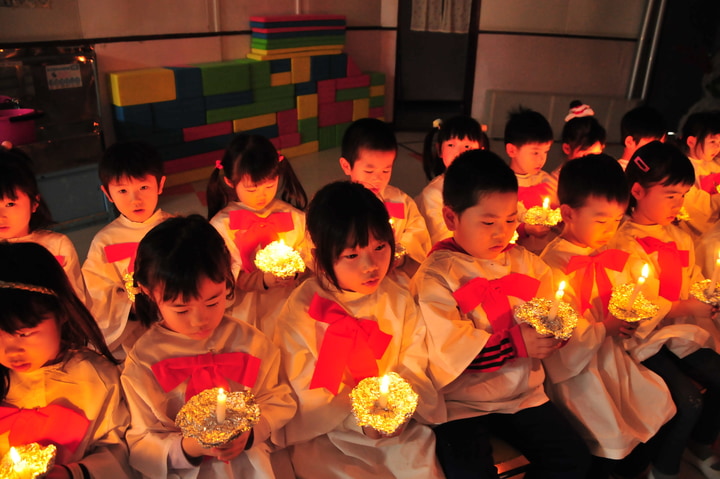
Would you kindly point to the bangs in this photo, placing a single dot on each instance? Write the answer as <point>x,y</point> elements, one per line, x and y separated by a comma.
<point>25,309</point>
<point>253,156</point>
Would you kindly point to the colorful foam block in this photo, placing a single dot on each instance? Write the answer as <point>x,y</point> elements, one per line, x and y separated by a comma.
<point>352,93</point>
<point>191,148</point>
<point>377,112</point>
<point>334,113</point>
<point>300,69</point>
<point>157,138</point>
<point>272,93</point>
<point>189,176</point>
<point>259,72</point>
<point>338,66</point>
<point>326,91</point>
<point>279,66</point>
<point>252,122</point>
<point>270,34</point>
<point>301,149</point>
<point>307,106</point>
<point>294,53</point>
<point>353,82</point>
<point>274,29</point>
<point>135,87</point>
<point>377,101</point>
<point>188,81</point>
<point>263,44</point>
<point>327,137</point>
<point>192,162</point>
<point>361,108</point>
<point>377,78</point>
<point>307,88</point>
<point>377,90</point>
<point>228,99</point>
<point>287,122</point>
<point>224,77</point>
<point>340,131</point>
<point>283,78</point>
<point>179,113</point>
<point>288,141</point>
<point>253,109</point>
<point>320,67</point>
<point>207,131</point>
<point>283,21</point>
<point>308,129</point>
<point>140,115</point>
<point>270,131</point>
<point>352,68</point>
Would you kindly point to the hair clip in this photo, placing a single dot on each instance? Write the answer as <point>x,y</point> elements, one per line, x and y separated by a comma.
<point>218,164</point>
<point>281,157</point>
<point>641,164</point>
<point>437,123</point>
<point>27,287</point>
<point>579,112</point>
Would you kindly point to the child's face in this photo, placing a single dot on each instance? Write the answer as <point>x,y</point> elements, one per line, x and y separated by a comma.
<point>372,168</point>
<point>658,204</point>
<point>529,158</point>
<point>362,269</point>
<point>594,149</point>
<point>256,196</point>
<point>135,198</point>
<point>451,149</point>
<point>15,215</point>
<point>485,229</point>
<point>29,349</point>
<point>705,150</point>
<point>195,318</point>
<point>594,224</point>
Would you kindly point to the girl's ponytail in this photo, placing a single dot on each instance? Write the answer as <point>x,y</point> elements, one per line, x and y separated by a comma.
<point>218,192</point>
<point>291,190</point>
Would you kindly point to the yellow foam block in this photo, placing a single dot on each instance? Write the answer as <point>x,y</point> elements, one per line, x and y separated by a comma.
<point>377,90</point>
<point>282,78</point>
<point>189,176</point>
<point>254,55</point>
<point>135,87</point>
<point>307,106</point>
<point>361,108</point>
<point>252,122</point>
<point>302,149</point>
<point>300,69</point>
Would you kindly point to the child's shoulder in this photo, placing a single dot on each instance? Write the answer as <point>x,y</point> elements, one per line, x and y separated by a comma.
<point>85,364</point>
<point>393,193</point>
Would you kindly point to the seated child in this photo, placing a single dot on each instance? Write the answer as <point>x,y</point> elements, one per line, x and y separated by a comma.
<point>638,127</point>
<point>582,134</point>
<point>368,153</point>
<point>485,362</point>
<point>442,145</point>
<point>183,271</point>
<point>599,387</point>
<point>132,178</point>
<point>60,384</point>
<point>349,322</point>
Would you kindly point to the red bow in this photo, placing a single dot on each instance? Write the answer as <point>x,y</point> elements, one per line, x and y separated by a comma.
<point>493,295</point>
<point>51,424</point>
<point>258,232</point>
<point>348,342</point>
<point>60,259</point>
<point>395,210</point>
<point>120,251</point>
<point>594,272</point>
<point>671,261</point>
<point>207,371</point>
<point>710,183</point>
<point>531,196</point>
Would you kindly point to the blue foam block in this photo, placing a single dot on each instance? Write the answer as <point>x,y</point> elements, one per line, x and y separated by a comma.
<point>320,67</point>
<point>188,82</point>
<point>305,88</point>
<point>280,66</point>
<point>140,115</point>
<point>223,100</point>
<point>270,131</point>
<point>191,148</point>
<point>182,113</point>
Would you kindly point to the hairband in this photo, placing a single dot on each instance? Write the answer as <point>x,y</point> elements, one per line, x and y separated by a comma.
<point>641,164</point>
<point>281,158</point>
<point>437,123</point>
<point>27,287</point>
<point>579,112</point>
<point>218,164</point>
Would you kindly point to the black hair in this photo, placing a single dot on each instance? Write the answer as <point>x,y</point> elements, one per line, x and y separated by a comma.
<point>256,157</point>
<point>658,164</point>
<point>34,286</point>
<point>460,127</point>
<point>16,175</point>
<point>592,175</point>
<point>369,134</point>
<point>527,126</point>
<point>345,215</point>
<point>580,133</point>
<point>474,174</point>
<point>130,159</point>
<point>173,257</point>
<point>701,125</point>
<point>642,122</point>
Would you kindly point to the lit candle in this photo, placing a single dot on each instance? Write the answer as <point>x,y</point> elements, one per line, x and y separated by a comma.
<point>715,277</point>
<point>556,304</point>
<point>384,388</point>
<point>220,406</point>
<point>636,290</point>
<point>20,469</point>
<point>546,203</point>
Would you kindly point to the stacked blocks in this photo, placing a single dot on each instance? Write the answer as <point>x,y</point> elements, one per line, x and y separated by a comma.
<point>296,88</point>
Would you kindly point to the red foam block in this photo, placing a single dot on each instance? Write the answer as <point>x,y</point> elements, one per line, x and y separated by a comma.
<point>192,162</point>
<point>287,121</point>
<point>207,131</point>
<point>352,82</point>
<point>326,91</point>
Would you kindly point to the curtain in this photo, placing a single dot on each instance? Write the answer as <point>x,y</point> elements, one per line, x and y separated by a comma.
<point>446,16</point>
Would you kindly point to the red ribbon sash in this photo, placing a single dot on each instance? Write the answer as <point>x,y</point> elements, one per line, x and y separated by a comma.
<point>671,261</point>
<point>352,343</point>
<point>591,270</point>
<point>51,424</point>
<point>493,296</point>
<point>60,259</point>
<point>395,210</point>
<point>710,183</point>
<point>257,232</point>
<point>120,251</point>
<point>531,196</point>
<point>207,371</point>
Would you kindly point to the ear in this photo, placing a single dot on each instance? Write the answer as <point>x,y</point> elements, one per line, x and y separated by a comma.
<point>567,213</point>
<point>35,204</point>
<point>228,182</point>
<point>107,195</point>
<point>451,218</point>
<point>691,142</point>
<point>161,184</point>
<point>566,149</point>
<point>630,143</point>
<point>345,165</point>
<point>637,191</point>
<point>511,150</point>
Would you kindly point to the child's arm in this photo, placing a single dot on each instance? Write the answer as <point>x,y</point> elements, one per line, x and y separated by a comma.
<point>414,236</point>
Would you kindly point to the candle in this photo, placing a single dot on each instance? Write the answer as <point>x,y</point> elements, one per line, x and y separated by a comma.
<point>20,468</point>
<point>556,304</point>
<point>636,290</point>
<point>546,202</point>
<point>714,278</point>
<point>220,406</point>
<point>384,388</point>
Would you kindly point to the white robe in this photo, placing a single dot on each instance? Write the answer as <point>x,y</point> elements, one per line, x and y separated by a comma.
<point>430,204</point>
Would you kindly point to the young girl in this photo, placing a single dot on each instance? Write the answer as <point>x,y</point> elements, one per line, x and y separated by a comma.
<point>659,176</point>
<point>347,323</point>
<point>183,272</point>
<point>582,134</point>
<point>255,198</point>
<point>442,145</point>
<point>24,215</point>
<point>59,383</point>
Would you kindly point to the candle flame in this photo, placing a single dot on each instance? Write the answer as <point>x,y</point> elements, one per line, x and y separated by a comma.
<point>717,261</point>
<point>561,290</point>
<point>14,455</point>
<point>546,202</point>
<point>645,271</point>
<point>384,384</point>
<point>221,395</point>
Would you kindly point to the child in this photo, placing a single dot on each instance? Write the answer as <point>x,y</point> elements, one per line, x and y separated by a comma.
<point>582,134</point>
<point>255,198</point>
<point>593,381</point>
<point>638,127</point>
<point>486,364</point>
<point>369,149</point>
<point>528,138</point>
<point>24,215</point>
<point>442,145</point>
<point>183,271</point>
<point>131,175</point>
<point>60,384</point>
<point>659,176</point>
<point>347,323</point>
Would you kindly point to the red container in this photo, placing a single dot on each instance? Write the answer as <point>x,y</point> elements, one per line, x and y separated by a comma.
<point>18,125</point>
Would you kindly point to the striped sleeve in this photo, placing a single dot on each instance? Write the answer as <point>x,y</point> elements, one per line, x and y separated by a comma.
<point>500,348</point>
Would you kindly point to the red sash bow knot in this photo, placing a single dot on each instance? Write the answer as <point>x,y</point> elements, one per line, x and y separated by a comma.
<point>531,196</point>
<point>207,371</point>
<point>710,183</point>
<point>594,273</point>
<point>349,342</point>
<point>671,261</point>
<point>258,232</point>
<point>120,251</point>
<point>395,210</point>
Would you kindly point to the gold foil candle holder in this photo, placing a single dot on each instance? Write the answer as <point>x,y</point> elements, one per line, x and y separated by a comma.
<point>31,461</point>
<point>130,287</point>
<point>400,251</point>
<point>543,215</point>
<point>387,410</point>
<point>702,292</point>
<point>280,260</point>
<point>198,417</point>
<point>535,313</point>
<point>640,309</point>
<point>682,215</point>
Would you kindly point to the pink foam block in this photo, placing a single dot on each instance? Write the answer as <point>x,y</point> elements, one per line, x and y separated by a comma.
<point>292,139</point>
<point>287,121</point>
<point>335,113</point>
<point>377,112</point>
<point>207,131</point>
<point>326,91</point>
<point>352,82</point>
<point>294,18</point>
<point>352,68</point>
<point>192,162</point>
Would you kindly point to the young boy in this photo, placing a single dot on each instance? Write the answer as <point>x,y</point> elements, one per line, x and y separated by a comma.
<point>528,138</point>
<point>592,380</point>
<point>131,175</point>
<point>368,153</point>
<point>486,363</point>
<point>638,127</point>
